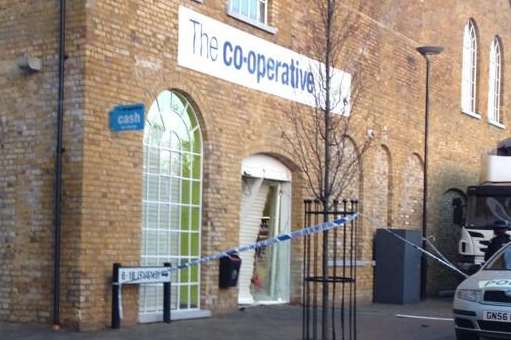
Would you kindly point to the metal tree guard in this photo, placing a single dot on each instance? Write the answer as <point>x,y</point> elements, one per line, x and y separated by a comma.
<point>340,279</point>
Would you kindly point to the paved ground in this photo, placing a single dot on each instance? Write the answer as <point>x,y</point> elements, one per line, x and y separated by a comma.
<point>376,322</point>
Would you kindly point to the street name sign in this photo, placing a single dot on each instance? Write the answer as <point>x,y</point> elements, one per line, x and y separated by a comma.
<point>138,275</point>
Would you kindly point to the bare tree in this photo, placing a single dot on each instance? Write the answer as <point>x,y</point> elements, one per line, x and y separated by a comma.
<point>320,136</point>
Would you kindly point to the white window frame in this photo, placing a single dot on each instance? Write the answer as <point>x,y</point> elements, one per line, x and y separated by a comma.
<point>257,21</point>
<point>165,206</point>
<point>495,84</point>
<point>469,70</point>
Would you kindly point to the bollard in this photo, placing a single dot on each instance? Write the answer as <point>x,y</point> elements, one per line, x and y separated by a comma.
<point>116,315</point>
<point>166,298</point>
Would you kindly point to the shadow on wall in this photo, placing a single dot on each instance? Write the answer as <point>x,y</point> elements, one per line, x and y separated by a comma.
<point>444,233</point>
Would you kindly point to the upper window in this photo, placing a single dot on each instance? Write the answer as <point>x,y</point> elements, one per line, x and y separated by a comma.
<point>469,72</point>
<point>494,83</point>
<point>255,11</point>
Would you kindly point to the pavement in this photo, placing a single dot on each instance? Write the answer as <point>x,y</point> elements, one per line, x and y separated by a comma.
<point>375,322</point>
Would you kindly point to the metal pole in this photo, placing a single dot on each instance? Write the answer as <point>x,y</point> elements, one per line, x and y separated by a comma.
<point>57,212</point>
<point>166,298</point>
<point>116,314</point>
<point>424,267</point>
<point>426,51</point>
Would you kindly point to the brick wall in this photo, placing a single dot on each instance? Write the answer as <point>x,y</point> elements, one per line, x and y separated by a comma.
<point>457,140</point>
<point>125,52</point>
<point>27,149</point>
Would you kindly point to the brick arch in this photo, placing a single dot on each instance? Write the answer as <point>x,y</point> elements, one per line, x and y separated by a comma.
<point>182,85</point>
<point>274,152</point>
<point>381,188</point>
<point>390,185</point>
<point>377,205</point>
<point>354,190</point>
<point>412,185</point>
<point>446,236</point>
<point>418,158</point>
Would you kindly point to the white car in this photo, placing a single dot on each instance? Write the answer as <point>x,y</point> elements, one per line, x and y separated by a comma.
<point>482,304</point>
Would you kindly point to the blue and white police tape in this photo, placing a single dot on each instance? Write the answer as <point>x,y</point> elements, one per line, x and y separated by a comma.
<point>424,251</point>
<point>442,259</point>
<point>254,246</point>
<point>270,242</point>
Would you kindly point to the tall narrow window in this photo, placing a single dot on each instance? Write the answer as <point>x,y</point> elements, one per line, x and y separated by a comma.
<point>172,201</point>
<point>494,83</point>
<point>253,10</point>
<point>469,72</point>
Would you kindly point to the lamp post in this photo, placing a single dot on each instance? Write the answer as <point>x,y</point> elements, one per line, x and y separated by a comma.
<point>426,52</point>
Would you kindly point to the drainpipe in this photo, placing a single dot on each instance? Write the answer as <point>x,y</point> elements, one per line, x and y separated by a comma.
<point>57,212</point>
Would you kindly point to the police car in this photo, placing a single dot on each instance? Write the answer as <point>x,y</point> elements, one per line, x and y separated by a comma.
<point>482,304</point>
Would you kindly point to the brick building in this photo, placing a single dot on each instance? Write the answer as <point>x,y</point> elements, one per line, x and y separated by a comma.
<point>179,189</point>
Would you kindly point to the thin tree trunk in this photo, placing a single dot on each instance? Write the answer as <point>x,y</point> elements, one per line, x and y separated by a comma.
<point>326,177</point>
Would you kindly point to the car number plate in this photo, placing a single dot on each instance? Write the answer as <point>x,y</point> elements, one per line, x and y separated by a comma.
<point>497,316</point>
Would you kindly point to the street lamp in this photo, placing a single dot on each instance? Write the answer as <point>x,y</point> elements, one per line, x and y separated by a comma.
<point>426,52</point>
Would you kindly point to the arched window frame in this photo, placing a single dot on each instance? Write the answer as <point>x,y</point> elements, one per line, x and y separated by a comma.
<point>172,201</point>
<point>495,84</point>
<point>469,71</point>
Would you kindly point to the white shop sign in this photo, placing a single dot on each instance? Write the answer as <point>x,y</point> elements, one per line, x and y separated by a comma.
<point>219,50</point>
<point>138,275</point>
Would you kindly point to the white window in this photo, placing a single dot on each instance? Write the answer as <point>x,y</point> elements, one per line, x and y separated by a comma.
<point>172,202</point>
<point>253,10</point>
<point>494,83</point>
<point>469,72</point>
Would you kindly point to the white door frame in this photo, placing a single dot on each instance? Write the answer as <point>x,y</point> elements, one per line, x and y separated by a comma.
<point>263,167</point>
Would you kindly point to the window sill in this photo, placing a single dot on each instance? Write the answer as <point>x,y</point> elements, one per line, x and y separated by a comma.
<point>472,114</point>
<point>175,315</point>
<point>261,26</point>
<point>497,124</point>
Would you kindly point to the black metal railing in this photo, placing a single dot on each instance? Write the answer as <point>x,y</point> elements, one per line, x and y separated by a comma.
<point>337,285</point>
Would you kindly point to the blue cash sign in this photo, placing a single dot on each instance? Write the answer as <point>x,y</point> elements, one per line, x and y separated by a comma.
<point>127,118</point>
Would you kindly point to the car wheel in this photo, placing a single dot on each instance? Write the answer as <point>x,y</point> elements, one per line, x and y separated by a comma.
<point>466,335</point>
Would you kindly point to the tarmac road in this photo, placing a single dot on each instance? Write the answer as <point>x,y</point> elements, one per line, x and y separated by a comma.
<point>375,322</point>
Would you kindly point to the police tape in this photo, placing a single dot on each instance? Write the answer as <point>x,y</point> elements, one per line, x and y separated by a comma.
<point>270,242</point>
<point>322,227</point>
<point>165,271</point>
<point>424,251</point>
<point>441,259</point>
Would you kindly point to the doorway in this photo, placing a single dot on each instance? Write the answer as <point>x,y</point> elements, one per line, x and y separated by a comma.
<point>265,213</point>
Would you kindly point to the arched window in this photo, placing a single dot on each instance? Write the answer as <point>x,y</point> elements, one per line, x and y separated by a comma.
<point>469,72</point>
<point>172,201</point>
<point>494,83</point>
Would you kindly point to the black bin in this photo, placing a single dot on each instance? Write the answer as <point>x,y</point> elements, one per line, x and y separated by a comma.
<point>229,271</point>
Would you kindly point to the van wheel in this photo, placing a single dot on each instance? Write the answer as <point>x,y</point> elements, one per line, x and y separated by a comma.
<point>466,335</point>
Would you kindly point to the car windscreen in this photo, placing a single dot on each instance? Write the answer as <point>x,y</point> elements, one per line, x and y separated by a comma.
<point>502,261</point>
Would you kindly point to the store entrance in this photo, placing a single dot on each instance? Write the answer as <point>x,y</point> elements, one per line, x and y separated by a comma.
<point>265,213</point>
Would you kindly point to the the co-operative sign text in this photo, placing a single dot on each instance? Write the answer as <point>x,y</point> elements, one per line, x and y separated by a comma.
<point>219,50</point>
